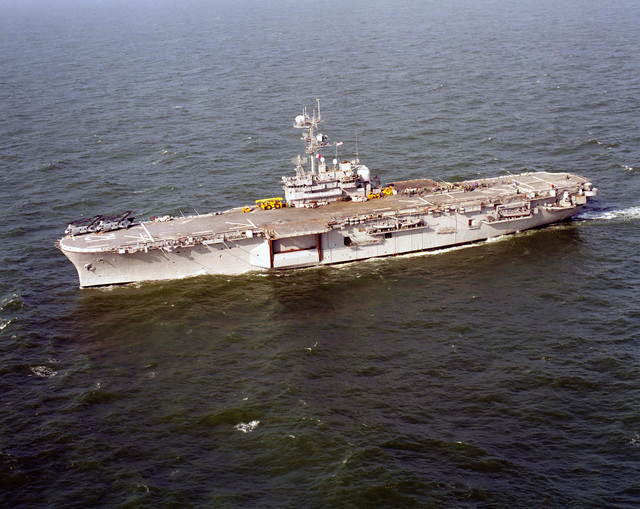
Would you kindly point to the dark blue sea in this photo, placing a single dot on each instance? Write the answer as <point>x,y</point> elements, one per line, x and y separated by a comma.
<point>504,374</point>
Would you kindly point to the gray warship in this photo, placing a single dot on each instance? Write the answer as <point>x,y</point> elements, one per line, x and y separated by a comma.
<point>331,213</point>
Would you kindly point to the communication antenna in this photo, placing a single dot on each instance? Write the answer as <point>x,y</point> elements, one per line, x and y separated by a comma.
<point>357,155</point>
<point>299,161</point>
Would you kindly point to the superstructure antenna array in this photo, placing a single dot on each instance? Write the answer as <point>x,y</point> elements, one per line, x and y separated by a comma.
<point>314,141</point>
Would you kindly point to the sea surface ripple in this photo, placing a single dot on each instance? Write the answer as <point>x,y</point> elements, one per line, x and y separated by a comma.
<point>505,374</point>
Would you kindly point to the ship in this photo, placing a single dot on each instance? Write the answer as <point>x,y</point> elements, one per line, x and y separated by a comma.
<point>332,212</point>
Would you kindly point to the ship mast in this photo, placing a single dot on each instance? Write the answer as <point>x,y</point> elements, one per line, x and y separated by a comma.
<point>314,141</point>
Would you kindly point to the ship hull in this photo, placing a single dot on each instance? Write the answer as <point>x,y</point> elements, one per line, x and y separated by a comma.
<point>333,213</point>
<point>364,239</point>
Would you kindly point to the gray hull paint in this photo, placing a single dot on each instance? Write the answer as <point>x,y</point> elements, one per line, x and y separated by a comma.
<point>259,254</point>
<point>334,212</point>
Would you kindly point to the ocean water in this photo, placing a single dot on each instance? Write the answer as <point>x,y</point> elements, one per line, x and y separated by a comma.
<point>505,374</point>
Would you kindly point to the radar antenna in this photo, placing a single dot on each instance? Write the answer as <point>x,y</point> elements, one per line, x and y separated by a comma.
<point>299,161</point>
<point>314,141</point>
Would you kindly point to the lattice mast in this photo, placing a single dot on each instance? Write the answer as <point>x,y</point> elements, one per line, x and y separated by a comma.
<point>314,141</point>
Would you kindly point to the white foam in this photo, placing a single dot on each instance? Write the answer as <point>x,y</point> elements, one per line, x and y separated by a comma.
<point>247,427</point>
<point>43,371</point>
<point>630,213</point>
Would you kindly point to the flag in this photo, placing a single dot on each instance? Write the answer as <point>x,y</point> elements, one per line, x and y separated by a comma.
<point>338,144</point>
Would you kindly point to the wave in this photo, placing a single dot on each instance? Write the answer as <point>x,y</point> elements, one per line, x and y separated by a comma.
<point>11,303</point>
<point>607,145</point>
<point>43,371</point>
<point>608,213</point>
<point>247,427</point>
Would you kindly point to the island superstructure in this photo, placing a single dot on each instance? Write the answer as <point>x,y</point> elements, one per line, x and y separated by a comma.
<point>331,213</point>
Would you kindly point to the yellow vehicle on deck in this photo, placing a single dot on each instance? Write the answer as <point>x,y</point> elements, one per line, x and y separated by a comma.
<point>385,191</point>
<point>270,203</point>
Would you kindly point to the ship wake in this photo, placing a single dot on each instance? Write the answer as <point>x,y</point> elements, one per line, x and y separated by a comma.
<point>610,213</point>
